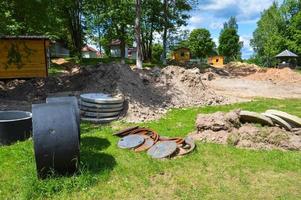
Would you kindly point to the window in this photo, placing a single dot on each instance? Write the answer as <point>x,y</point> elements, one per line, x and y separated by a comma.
<point>216,60</point>
<point>182,54</point>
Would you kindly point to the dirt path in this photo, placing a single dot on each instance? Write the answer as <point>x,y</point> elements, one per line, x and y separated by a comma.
<point>247,89</point>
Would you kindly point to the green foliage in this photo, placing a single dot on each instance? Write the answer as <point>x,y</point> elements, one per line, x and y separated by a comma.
<point>157,50</point>
<point>229,44</point>
<point>278,29</point>
<point>200,43</point>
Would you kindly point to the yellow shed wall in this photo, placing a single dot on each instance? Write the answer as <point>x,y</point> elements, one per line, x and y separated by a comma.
<point>177,56</point>
<point>32,62</point>
<point>217,61</point>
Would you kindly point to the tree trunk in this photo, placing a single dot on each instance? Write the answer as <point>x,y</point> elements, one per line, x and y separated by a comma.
<point>122,45</point>
<point>138,34</point>
<point>165,32</point>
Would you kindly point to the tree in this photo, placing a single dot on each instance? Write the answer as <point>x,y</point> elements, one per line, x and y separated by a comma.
<point>174,15</point>
<point>229,44</point>
<point>269,36</point>
<point>138,34</point>
<point>200,43</point>
<point>157,50</point>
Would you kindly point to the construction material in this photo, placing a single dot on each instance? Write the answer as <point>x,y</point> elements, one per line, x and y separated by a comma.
<point>55,136</point>
<point>253,117</point>
<point>101,98</point>
<point>292,119</point>
<point>156,146</point>
<point>100,107</point>
<point>14,126</point>
<point>130,141</point>
<point>162,149</point>
<point>277,120</point>
<point>72,100</point>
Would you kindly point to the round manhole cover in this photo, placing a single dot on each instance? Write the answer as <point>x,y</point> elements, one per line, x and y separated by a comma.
<point>130,141</point>
<point>101,98</point>
<point>162,149</point>
<point>148,143</point>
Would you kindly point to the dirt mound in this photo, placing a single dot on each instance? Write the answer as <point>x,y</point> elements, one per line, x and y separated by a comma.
<point>225,128</point>
<point>149,93</point>
<point>241,69</point>
<point>285,75</point>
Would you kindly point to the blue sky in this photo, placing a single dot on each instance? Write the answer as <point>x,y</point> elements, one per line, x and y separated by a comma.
<point>211,14</point>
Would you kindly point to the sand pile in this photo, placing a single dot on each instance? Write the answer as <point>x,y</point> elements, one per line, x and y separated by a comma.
<point>149,93</point>
<point>225,128</point>
<point>241,69</point>
<point>285,75</point>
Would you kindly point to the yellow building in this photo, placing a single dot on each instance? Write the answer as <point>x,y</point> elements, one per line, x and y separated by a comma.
<point>216,61</point>
<point>181,55</point>
<point>23,56</point>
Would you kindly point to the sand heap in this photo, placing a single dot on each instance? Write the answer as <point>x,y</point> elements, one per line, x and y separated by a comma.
<point>149,93</point>
<point>226,128</point>
<point>285,75</point>
<point>241,69</point>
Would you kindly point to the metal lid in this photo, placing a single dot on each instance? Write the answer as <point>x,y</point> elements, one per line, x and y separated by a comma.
<point>130,141</point>
<point>162,149</point>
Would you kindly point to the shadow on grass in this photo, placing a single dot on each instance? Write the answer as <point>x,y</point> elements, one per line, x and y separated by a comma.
<point>94,143</point>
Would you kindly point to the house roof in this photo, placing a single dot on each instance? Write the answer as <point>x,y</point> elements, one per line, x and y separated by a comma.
<point>27,37</point>
<point>286,53</point>
<point>87,48</point>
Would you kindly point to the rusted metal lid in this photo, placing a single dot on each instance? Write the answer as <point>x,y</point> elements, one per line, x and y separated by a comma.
<point>130,141</point>
<point>148,143</point>
<point>162,149</point>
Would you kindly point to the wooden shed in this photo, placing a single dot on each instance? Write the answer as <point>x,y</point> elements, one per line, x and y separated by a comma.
<point>24,56</point>
<point>216,61</point>
<point>181,55</point>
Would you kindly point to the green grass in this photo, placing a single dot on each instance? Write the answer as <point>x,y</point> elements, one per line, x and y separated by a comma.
<point>211,172</point>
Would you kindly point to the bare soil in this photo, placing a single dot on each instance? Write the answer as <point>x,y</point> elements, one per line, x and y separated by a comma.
<point>149,93</point>
<point>225,128</point>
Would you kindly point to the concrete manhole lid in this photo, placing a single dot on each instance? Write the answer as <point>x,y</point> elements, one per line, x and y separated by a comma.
<point>130,141</point>
<point>99,120</point>
<point>294,120</point>
<point>162,149</point>
<point>101,98</point>
<point>99,115</point>
<point>279,121</point>
<point>253,117</point>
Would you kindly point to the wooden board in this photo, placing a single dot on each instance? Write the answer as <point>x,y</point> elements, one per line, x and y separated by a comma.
<point>21,58</point>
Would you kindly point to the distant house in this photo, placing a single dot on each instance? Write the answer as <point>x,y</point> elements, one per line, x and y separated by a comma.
<point>90,52</point>
<point>216,61</point>
<point>59,49</point>
<point>24,56</point>
<point>132,53</point>
<point>115,49</point>
<point>181,54</point>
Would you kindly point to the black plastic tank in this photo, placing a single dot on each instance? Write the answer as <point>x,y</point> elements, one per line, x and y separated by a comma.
<point>14,126</point>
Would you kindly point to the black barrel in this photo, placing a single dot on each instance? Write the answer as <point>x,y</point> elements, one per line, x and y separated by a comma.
<point>14,126</point>
<point>55,136</point>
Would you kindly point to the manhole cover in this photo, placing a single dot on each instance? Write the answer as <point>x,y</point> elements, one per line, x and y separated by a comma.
<point>101,98</point>
<point>162,149</point>
<point>130,141</point>
<point>148,143</point>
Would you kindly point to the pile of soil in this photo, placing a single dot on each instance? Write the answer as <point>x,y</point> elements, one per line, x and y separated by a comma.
<point>241,69</point>
<point>149,93</point>
<point>285,75</point>
<point>225,128</point>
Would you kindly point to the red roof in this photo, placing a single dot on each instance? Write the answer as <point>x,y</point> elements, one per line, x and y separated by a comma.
<point>87,48</point>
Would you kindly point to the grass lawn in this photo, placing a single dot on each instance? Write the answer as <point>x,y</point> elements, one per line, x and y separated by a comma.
<point>210,172</point>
